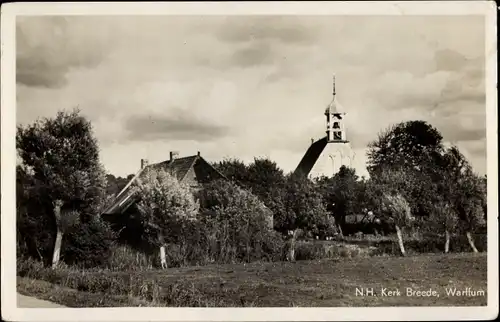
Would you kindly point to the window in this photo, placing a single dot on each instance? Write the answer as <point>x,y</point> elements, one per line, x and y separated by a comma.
<point>336,125</point>
<point>337,135</point>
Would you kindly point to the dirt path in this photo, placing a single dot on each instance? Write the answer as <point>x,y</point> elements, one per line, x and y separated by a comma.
<point>31,302</point>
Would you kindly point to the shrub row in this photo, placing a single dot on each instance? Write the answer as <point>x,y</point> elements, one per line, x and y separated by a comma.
<point>197,254</point>
<point>125,258</point>
<point>384,245</point>
<point>426,244</point>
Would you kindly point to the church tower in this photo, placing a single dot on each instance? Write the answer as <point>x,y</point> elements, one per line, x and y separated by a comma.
<point>335,126</point>
<point>325,156</point>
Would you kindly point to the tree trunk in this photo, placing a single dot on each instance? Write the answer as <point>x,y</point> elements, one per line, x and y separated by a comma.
<point>400,241</point>
<point>163,256</point>
<point>57,248</point>
<point>447,244</point>
<point>291,256</point>
<point>471,242</point>
<point>248,248</point>
<point>248,243</point>
<point>59,234</point>
<point>342,223</point>
<point>340,231</point>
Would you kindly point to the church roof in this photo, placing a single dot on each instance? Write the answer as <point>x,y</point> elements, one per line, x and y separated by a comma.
<point>311,156</point>
<point>178,167</point>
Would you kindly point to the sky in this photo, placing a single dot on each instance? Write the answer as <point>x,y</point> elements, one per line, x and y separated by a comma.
<point>252,86</point>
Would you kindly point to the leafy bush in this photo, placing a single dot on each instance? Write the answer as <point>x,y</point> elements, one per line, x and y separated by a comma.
<point>237,224</point>
<point>90,245</point>
<point>309,251</point>
<point>165,205</point>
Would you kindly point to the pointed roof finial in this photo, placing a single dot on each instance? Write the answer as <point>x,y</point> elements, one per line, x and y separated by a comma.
<point>333,107</point>
<point>333,85</point>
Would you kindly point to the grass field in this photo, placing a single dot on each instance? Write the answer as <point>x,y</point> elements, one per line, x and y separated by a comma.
<point>323,283</point>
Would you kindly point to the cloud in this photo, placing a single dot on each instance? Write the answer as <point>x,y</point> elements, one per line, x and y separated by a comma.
<point>288,30</point>
<point>253,55</point>
<point>47,48</point>
<point>271,43</point>
<point>449,60</point>
<point>466,85</point>
<point>182,127</point>
<point>465,135</point>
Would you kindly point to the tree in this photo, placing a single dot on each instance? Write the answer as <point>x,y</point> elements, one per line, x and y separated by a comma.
<point>468,204</point>
<point>413,144</point>
<point>165,205</point>
<point>397,208</point>
<point>444,215</point>
<point>342,194</point>
<point>263,178</point>
<point>303,209</point>
<point>416,148</point>
<point>233,169</point>
<point>464,190</point>
<point>238,221</point>
<point>61,174</point>
<point>266,180</point>
<point>444,218</point>
<point>263,175</point>
<point>33,229</point>
<point>484,186</point>
<point>386,192</point>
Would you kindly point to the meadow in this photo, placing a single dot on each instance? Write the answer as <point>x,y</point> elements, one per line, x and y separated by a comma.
<point>330,282</point>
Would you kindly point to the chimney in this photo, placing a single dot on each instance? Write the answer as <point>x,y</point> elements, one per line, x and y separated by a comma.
<point>198,153</point>
<point>144,163</point>
<point>173,155</point>
<point>312,141</point>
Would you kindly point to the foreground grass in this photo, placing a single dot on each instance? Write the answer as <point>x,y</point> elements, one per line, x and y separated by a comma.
<point>323,283</point>
<point>73,298</point>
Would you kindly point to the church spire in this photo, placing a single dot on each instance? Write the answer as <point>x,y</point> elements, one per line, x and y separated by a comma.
<point>335,127</point>
<point>332,107</point>
<point>333,92</point>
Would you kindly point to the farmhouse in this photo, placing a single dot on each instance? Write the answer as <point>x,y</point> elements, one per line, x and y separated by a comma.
<point>193,170</point>
<point>320,156</point>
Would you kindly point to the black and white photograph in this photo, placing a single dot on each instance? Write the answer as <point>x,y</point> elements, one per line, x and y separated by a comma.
<point>175,161</point>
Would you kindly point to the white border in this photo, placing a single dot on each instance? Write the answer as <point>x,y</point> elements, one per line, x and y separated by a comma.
<point>8,123</point>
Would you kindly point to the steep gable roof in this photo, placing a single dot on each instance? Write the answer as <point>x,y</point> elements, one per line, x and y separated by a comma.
<point>178,167</point>
<point>311,156</point>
